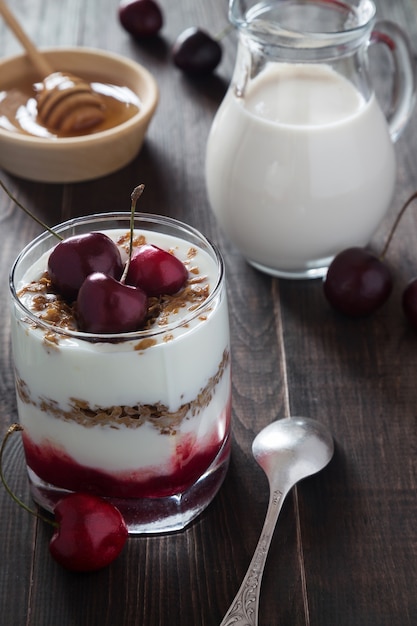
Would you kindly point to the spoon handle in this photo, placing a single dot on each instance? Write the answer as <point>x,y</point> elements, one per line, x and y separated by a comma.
<point>244,609</point>
<point>36,57</point>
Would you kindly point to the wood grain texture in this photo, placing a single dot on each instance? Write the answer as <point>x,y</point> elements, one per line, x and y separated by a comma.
<point>345,551</point>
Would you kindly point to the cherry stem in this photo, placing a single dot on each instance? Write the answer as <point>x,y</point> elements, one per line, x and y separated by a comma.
<point>219,36</point>
<point>134,196</point>
<point>12,429</point>
<point>394,226</point>
<point>16,201</point>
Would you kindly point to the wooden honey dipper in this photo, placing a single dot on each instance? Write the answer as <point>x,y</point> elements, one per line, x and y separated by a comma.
<point>66,103</point>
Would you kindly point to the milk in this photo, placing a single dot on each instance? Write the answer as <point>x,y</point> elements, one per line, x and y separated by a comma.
<point>299,168</point>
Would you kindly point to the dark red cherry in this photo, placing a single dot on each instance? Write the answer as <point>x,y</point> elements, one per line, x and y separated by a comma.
<point>357,282</point>
<point>73,259</point>
<point>196,52</point>
<point>141,18</point>
<point>156,271</point>
<point>409,302</point>
<point>104,305</point>
<point>91,533</point>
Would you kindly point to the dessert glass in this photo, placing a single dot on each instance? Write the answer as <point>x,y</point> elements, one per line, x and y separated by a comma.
<point>142,418</point>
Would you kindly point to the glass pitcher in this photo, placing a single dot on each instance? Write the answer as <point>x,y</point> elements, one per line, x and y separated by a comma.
<point>300,158</point>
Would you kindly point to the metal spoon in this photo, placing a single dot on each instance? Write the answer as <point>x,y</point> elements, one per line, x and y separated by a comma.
<point>287,450</point>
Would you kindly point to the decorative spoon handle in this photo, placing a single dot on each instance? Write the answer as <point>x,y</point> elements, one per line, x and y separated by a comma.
<point>244,609</point>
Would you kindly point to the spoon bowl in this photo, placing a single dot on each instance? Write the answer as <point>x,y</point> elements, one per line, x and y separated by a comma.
<point>288,450</point>
<point>297,447</point>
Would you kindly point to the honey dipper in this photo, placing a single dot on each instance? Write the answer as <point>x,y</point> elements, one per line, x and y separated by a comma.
<point>65,102</point>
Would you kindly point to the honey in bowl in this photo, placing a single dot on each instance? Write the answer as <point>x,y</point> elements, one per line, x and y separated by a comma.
<point>19,114</point>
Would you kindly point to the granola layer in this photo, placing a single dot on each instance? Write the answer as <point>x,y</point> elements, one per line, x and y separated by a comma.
<point>158,414</point>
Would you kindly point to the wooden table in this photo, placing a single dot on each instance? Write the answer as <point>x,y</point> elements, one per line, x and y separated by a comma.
<point>345,549</point>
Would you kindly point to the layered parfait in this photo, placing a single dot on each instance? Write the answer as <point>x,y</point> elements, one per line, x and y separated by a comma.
<point>139,415</point>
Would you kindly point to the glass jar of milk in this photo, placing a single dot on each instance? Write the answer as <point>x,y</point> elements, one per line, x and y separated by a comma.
<point>300,159</point>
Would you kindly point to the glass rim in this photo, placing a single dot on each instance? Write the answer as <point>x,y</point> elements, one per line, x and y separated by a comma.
<point>149,218</point>
<point>252,22</point>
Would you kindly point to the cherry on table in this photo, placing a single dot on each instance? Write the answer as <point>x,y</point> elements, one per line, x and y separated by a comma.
<point>156,271</point>
<point>196,52</point>
<point>105,305</point>
<point>141,18</point>
<point>357,282</point>
<point>73,259</point>
<point>90,533</point>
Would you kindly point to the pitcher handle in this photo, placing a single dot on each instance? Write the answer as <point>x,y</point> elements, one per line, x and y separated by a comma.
<point>404,84</point>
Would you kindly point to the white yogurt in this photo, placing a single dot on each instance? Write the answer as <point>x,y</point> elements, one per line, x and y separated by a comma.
<point>85,367</point>
<point>299,168</point>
